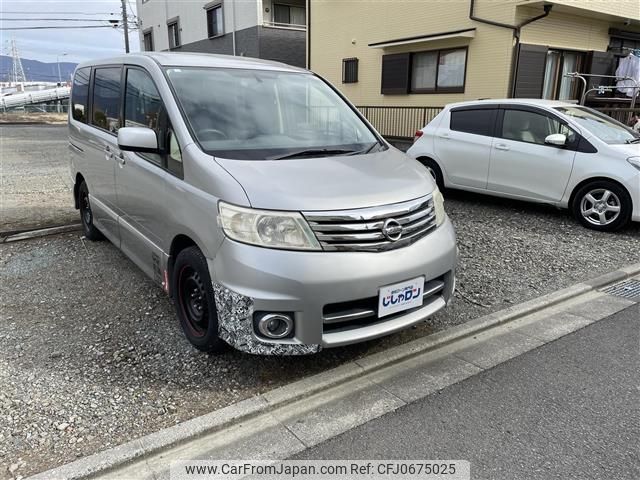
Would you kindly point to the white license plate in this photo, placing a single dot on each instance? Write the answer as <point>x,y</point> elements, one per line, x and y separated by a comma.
<point>400,296</point>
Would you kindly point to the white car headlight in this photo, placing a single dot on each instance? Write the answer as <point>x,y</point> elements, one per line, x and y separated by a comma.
<point>438,204</point>
<point>266,228</point>
<point>635,161</point>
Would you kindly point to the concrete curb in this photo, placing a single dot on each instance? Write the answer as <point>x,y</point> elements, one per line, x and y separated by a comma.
<point>41,232</point>
<point>103,462</point>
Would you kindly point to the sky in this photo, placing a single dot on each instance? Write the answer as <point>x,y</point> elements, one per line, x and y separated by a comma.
<point>77,44</point>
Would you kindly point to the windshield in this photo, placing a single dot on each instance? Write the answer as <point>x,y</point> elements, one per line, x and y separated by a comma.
<point>603,127</point>
<point>265,115</point>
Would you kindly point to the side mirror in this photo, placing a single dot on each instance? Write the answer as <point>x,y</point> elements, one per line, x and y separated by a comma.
<point>137,139</point>
<point>556,139</point>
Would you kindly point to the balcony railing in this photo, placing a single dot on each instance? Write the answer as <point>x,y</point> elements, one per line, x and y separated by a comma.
<point>288,26</point>
<point>399,122</point>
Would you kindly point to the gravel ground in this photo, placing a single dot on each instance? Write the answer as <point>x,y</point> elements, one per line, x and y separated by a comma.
<point>35,188</point>
<point>92,355</point>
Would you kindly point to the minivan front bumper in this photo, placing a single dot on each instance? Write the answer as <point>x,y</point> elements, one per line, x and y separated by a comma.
<point>250,279</point>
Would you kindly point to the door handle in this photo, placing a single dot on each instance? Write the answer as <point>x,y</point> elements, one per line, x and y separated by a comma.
<point>121,160</point>
<point>502,146</point>
<point>107,149</point>
<point>446,136</point>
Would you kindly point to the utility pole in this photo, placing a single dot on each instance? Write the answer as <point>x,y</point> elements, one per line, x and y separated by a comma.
<point>125,24</point>
<point>58,62</point>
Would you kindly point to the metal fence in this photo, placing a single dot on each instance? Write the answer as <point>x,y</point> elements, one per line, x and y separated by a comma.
<point>399,122</point>
<point>63,107</point>
<point>402,122</point>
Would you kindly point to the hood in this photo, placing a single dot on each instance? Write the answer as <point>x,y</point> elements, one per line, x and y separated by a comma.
<point>331,183</point>
<point>628,149</point>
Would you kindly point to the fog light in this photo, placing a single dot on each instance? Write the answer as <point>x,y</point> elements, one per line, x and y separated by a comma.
<point>275,325</point>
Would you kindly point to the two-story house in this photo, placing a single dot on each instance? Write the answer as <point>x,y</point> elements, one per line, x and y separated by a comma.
<point>393,54</point>
<point>268,29</point>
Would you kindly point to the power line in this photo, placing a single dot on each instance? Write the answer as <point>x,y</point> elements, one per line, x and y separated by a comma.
<point>56,27</point>
<point>61,13</point>
<point>56,20</point>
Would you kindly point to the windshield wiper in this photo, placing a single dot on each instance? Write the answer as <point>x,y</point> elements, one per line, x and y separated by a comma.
<point>366,150</point>
<point>314,152</point>
<point>633,140</point>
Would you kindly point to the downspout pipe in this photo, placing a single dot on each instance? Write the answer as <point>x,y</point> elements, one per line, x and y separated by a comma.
<point>233,20</point>
<point>516,34</point>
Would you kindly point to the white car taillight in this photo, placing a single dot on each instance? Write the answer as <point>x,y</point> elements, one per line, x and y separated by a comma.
<point>417,135</point>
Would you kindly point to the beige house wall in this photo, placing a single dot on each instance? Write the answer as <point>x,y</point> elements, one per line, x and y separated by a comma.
<point>566,31</point>
<point>608,8</point>
<point>344,28</point>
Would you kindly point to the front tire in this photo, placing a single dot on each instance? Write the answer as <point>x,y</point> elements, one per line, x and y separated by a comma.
<point>86,214</point>
<point>602,205</point>
<point>195,301</point>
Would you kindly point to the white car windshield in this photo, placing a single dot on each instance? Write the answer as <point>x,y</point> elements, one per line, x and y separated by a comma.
<point>605,128</point>
<point>267,115</point>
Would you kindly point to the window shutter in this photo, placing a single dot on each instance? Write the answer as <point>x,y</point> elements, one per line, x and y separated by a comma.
<point>600,63</point>
<point>530,71</point>
<point>395,74</point>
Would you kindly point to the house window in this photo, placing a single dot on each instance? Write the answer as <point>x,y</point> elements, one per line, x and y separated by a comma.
<point>174,34</point>
<point>147,38</point>
<point>289,14</point>
<point>440,71</point>
<point>558,63</point>
<point>215,22</point>
<point>350,70</point>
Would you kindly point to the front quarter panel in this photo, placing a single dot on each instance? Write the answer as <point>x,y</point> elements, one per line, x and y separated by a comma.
<point>192,203</point>
<point>604,165</point>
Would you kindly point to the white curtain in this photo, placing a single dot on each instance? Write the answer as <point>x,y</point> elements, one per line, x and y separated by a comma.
<point>423,72</point>
<point>550,75</point>
<point>451,69</point>
<point>569,64</point>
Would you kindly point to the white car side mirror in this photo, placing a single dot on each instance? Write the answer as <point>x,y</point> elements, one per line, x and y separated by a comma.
<point>138,139</point>
<point>557,139</point>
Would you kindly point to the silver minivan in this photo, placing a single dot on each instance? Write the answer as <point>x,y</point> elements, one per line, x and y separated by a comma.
<point>272,213</point>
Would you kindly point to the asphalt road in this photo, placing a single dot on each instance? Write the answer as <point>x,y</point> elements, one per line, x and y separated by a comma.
<point>566,410</point>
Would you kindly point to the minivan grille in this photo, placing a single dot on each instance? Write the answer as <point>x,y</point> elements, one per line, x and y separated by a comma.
<point>364,312</point>
<point>373,229</point>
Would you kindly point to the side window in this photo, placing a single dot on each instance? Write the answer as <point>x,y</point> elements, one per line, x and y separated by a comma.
<point>567,131</point>
<point>174,154</point>
<point>143,106</point>
<point>80,95</point>
<point>531,127</point>
<point>106,98</point>
<point>478,122</point>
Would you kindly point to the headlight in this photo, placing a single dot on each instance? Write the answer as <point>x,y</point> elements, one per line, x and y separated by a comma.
<point>266,228</point>
<point>635,161</point>
<point>438,204</point>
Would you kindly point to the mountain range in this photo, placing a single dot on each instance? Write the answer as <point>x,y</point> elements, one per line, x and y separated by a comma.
<point>36,71</point>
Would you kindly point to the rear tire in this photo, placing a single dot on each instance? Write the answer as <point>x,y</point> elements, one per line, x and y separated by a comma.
<point>602,205</point>
<point>195,301</point>
<point>434,170</point>
<point>86,215</point>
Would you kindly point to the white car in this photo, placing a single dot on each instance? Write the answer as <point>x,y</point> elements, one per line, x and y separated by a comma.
<point>543,151</point>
